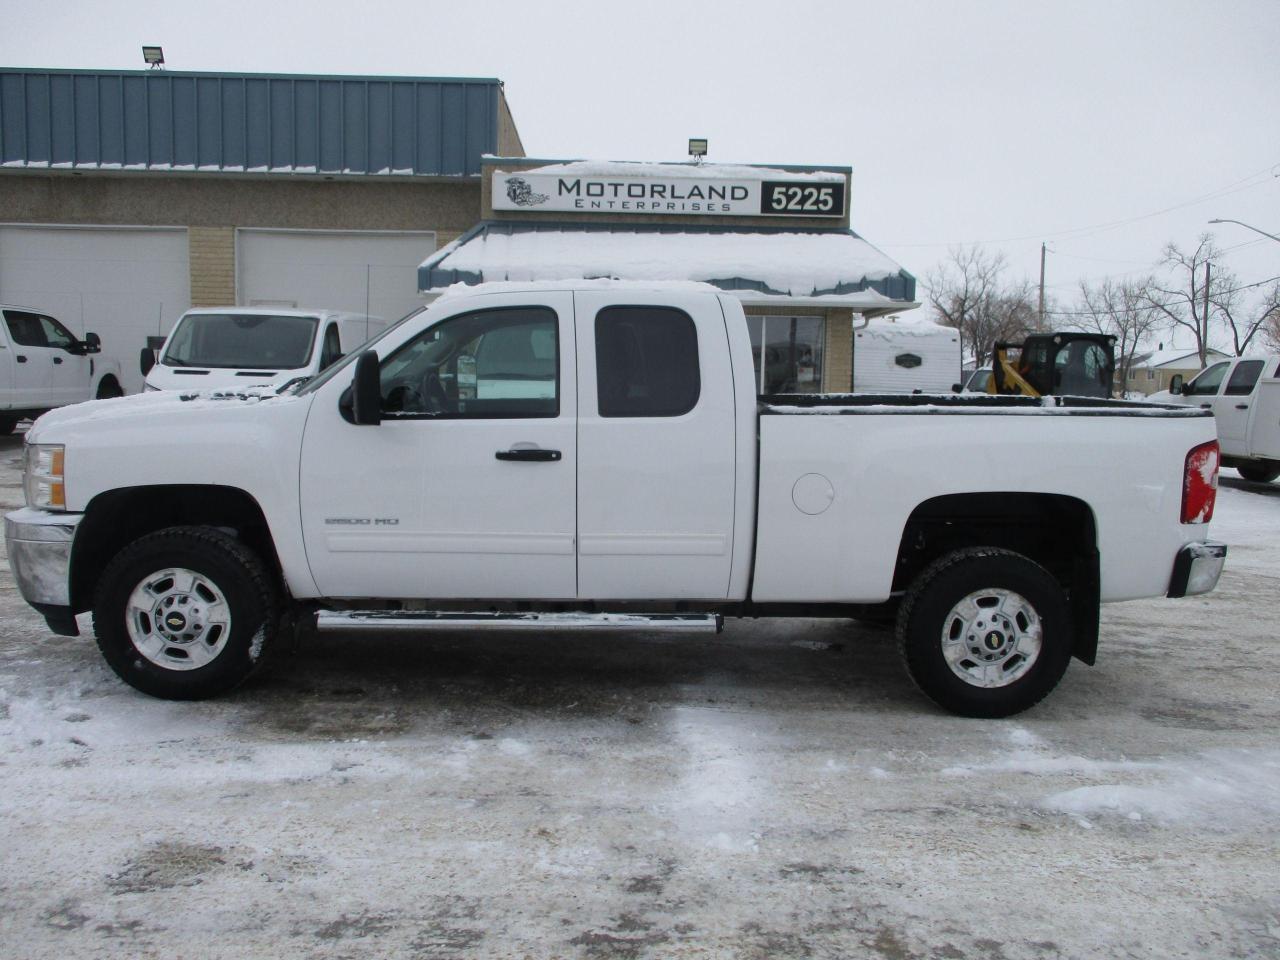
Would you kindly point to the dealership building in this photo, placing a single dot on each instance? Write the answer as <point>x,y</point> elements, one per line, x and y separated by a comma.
<point>127,197</point>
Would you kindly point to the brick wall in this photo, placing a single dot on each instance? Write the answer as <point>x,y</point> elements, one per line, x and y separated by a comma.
<point>212,256</point>
<point>837,355</point>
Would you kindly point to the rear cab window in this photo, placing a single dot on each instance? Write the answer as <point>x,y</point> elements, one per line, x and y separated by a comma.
<point>1243,378</point>
<point>646,362</point>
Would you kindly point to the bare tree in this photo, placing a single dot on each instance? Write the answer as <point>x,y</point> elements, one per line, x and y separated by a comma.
<point>1183,302</point>
<point>1245,322</point>
<point>1125,311</point>
<point>1271,318</point>
<point>968,292</point>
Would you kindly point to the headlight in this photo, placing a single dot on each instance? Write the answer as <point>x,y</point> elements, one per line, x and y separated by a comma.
<point>42,476</point>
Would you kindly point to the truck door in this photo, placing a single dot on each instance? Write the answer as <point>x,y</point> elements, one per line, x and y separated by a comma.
<point>656,447</point>
<point>69,369</point>
<point>32,360</point>
<point>466,488</point>
<point>1231,409</point>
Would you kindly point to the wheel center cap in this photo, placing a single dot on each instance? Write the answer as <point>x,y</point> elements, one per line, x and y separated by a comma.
<point>175,621</point>
<point>994,640</point>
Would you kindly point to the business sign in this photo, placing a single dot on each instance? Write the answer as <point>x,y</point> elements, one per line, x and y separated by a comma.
<point>672,196</point>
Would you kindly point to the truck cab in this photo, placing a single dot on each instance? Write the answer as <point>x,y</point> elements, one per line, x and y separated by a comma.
<point>231,348</point>
<point>1244,395</point>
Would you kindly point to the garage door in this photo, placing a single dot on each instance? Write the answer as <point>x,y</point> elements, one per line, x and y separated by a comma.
<point>123,284</point>
<point>338,270</point>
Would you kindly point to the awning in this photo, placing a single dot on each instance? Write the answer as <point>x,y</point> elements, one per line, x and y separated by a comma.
<point>786,266</point>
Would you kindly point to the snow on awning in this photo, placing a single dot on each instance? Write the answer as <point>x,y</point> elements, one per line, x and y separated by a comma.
<point>783,266</point>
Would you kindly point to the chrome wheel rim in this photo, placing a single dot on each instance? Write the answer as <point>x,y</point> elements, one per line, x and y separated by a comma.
<point>178,619</point>
<point>991,638</point>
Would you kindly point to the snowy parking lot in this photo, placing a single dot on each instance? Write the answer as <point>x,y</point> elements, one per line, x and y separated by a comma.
<point>778,790</point>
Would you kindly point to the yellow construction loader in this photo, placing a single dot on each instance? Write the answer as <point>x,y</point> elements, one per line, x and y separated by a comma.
<point>1059,364</point>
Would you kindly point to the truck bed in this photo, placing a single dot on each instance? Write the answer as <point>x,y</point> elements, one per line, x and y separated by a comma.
<point>965,403</point>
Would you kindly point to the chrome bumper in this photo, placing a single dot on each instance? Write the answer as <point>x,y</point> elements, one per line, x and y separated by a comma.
<point>1197,568</point>
<point>39,545</point>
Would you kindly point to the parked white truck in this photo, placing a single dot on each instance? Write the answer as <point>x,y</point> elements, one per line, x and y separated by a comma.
<point>43,366</point>
<point>594,455</point>
<point>1244,395</point>
<point>218,348</point>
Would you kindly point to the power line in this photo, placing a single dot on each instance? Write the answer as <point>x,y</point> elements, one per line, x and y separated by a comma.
<point>1078,233</point>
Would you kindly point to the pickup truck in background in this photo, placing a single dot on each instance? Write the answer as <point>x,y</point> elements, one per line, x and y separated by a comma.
<point>1244,395</point>
<point>43,366</point>
<point>594,455</point>
<point>219,348</point>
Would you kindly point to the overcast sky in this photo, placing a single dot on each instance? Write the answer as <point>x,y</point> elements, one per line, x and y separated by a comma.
<point>1103,128</point>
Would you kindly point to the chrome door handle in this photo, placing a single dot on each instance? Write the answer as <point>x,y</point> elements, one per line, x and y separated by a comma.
<point>1242,406</point>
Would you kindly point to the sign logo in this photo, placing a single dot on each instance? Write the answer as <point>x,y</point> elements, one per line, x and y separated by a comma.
<point>908,360</point>
<point>521,194</point>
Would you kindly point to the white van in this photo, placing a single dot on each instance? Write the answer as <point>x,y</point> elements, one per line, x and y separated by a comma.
<point>892,357</point>
<point>220,348</point>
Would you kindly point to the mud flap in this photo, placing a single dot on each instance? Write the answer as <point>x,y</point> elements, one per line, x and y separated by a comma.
<point>1085,601</point>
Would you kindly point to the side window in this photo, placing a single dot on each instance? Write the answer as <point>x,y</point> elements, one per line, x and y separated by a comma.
<point>25,329</point>
<point>1243,377</point>
<point>1206,385</point>
<point>646,362</point>
<point>331,352</point>
<point>56,334</point>
<point>490,364</point>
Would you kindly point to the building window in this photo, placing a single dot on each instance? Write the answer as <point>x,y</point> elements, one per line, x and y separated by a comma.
<point>1151,373</point>
<point>788,353</point>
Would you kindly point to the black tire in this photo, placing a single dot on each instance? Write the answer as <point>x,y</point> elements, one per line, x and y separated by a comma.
<point>927,611</point>
<point>221,561</point>
<point>1257,472</point>
<point>7,425</point>
<point>109,389</point>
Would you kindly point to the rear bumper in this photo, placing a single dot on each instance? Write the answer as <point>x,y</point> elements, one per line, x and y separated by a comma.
<point>1197,568</point>
<point>39,545</point>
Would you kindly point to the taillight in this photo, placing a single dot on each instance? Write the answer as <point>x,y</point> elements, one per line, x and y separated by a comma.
<point>1200,483</point>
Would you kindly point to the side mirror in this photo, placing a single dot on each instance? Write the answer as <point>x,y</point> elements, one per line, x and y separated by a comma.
<point>1175,384</point>
<point>957,388</point>
<point>92,343</point>
<point>366,391</point>
<point>146,360</point>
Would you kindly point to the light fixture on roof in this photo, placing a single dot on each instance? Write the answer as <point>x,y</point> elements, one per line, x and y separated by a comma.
<point>153,56</point>
<point>698,149</point>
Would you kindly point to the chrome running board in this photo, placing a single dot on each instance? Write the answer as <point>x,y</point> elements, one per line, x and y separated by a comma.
<point>414,621</point>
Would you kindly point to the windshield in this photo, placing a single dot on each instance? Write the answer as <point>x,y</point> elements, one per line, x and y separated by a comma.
<point>242,341</point>
<point>315,383</point>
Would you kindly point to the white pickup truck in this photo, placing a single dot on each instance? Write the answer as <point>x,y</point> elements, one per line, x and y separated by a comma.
<point>43,366</point>
<point>595,455</point>
<point>1244,395</point>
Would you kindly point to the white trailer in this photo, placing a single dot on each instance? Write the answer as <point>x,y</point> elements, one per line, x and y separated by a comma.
<point>895,357</point>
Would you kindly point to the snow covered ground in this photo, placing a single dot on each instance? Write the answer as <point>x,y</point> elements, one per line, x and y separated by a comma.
<point>780,790</point>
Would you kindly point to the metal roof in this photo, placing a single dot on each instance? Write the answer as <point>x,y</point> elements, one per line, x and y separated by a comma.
<point>161,120</point>
<point>858,268</point>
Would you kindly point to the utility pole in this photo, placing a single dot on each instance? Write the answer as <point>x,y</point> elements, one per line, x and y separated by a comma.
<point>1204,325</point>
<point>1041,286</point>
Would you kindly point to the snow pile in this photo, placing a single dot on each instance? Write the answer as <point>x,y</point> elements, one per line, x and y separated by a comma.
<point>700,171</point>
<point>1223,789</point>
<point>798,264</point>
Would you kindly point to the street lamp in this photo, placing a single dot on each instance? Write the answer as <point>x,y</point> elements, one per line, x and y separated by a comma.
<point>1247,227</point>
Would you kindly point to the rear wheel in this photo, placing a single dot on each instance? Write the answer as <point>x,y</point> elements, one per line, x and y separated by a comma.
<point>185,613</point>
<point>1258,473</point>
<point>985,632</point>
<point>109,388</point>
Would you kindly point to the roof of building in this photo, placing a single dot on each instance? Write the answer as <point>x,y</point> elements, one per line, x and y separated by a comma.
<point>162,120</point>
<point>1171,355</point>
<point>784,265</point>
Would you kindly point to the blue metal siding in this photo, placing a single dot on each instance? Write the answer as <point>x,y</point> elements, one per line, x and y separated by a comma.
<point>407,126</point>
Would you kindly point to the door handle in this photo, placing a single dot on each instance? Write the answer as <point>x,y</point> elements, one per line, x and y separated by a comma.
<point>1242,406</point>
<point>22,358</point>
<point>1206,406</point>
<point>532,454</point>
<point>57,359</point>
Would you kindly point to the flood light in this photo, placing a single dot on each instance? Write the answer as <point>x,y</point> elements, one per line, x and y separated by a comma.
<point>153,56</point>
<point>697,148</point>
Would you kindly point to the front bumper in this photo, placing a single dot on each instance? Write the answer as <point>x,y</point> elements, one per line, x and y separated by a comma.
<point>1197,568</point>
<point>39,545</point>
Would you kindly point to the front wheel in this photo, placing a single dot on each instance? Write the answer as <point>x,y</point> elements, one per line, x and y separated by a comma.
<point>985,632</point>
<point>185,613</point>
<point>1257,472</point>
